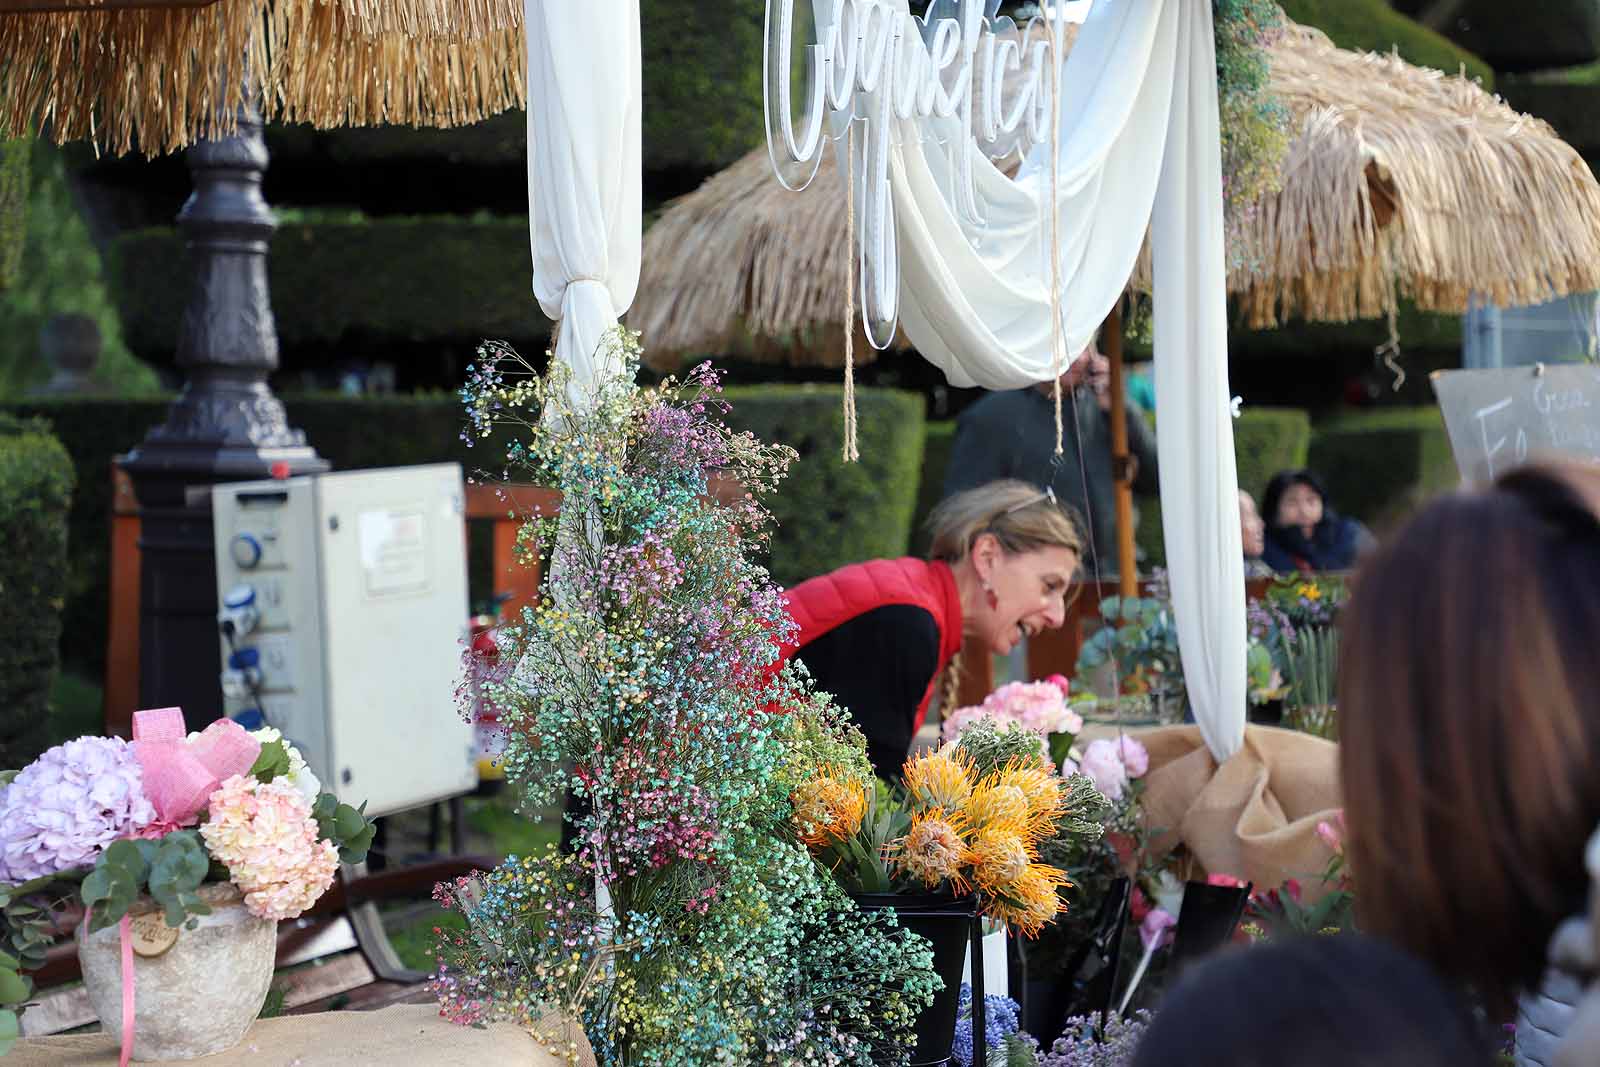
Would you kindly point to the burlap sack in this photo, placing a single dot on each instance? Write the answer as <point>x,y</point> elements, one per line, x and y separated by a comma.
<point>410,1034</point>
<point>1255,816</point>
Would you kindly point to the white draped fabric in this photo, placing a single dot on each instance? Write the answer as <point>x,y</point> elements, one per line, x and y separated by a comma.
<point>1138,142</point>
<point>585,208</point>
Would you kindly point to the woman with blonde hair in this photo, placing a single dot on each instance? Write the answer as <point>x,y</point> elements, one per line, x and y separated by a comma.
<point>879,634</point>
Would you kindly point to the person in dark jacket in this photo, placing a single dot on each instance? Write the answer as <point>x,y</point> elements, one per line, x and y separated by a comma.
<point>1012,434</point>
<point>1305,534</point>
<point>878,635</point>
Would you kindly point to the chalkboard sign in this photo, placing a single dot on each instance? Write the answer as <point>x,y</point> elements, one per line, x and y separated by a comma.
<point>1497,419</point>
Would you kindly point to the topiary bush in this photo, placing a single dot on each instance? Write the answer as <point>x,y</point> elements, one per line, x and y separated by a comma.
<point>831,512</point>
<point>36,481</point>
<point>1378,465</point>
<point>335,279</point>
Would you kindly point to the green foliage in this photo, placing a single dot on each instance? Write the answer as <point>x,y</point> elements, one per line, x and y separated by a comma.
<point>373,278</point>
<point>347,827</point>
<point>1139,636</point>
<point>1568,100</point>
<point>14,155</point>
<point>938,439</point>
<point>992,747</point>
<point>170,869</point>
<point>702,71</point>
<point>1379,464</point>
<point>1371,25</point>
<point>1267,440</point>
<point>36,482</point>
<point>60,272</point>
<point>830,512</point>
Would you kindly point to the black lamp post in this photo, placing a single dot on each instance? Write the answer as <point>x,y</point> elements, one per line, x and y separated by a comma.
<point>226,425</point>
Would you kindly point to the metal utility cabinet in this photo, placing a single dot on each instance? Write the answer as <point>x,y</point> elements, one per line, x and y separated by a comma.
<point>344,607</point>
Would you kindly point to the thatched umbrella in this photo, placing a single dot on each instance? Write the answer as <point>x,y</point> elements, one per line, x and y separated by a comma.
<point>161,74</point>
<point>1400,181</point>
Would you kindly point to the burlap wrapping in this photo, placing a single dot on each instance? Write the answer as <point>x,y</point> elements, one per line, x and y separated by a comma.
<point>410,1034</point>
<point>1255,816</point>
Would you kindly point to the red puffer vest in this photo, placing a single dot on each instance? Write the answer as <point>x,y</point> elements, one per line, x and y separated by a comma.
<point>818,605</point>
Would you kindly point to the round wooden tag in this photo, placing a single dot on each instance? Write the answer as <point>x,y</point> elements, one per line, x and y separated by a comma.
<point>150,934</point>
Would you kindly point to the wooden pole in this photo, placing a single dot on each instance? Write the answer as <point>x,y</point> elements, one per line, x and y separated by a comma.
<point>1121,463</point>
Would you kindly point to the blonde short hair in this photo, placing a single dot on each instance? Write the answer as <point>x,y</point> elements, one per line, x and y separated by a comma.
<point>1021,517</point>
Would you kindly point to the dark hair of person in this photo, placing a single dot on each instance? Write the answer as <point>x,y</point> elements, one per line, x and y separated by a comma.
<point>1469,731</point>
<point>1281,483</point>
<point>1331,1001</point>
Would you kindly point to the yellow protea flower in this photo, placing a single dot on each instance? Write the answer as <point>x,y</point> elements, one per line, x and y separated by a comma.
<point>1041,789</point>
<point>941,780</point>
<point>827,809</point>
<point>934,850</point>
<point>996,803</point>
<point>1032,901</point>
<point>1000,855</point>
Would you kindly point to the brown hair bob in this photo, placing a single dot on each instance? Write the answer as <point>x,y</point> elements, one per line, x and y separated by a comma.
<point>1469,706</point>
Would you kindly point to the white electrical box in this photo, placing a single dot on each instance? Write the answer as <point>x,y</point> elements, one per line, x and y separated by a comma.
<point>344,610</point>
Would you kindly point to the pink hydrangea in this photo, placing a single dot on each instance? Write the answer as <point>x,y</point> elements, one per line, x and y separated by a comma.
<point>64,808</point>
<point>1135,757</point>
<point>265,835</point>
<point>1039,706</point>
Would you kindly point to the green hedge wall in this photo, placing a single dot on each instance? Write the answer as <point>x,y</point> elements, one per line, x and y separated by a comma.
<point>1377,465</point>
<point>36,481</point>
<point>408,279</point>
<point>830,512</point>
<point>874,498</point>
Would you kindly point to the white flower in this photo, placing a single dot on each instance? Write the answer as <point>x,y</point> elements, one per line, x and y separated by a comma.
<point>299,775</point>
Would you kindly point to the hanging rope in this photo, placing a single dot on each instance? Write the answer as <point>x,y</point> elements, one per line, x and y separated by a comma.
<point>850,454</point>
<point>1057,342</point>
<point>1390,349</point>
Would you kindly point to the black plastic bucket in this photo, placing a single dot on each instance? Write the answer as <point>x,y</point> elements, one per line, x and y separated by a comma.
<point>946,922</point>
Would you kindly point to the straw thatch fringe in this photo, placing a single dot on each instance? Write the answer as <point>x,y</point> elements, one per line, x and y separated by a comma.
<point>158,79</point>
<point>1399,180</point>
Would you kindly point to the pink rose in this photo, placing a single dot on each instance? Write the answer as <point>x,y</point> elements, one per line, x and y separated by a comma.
<point>1332,833</point>
<point>1061,682</point>
<point>1103,764</point>
<point>1156,930</point>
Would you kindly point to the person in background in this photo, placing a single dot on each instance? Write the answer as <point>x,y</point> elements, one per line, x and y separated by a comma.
<point>1252,533</point>
<point>878,635</point>
<point>1331,1001</point>
<point>1012,434</point>
<point>1304,533</point>
<point>1469,736</point>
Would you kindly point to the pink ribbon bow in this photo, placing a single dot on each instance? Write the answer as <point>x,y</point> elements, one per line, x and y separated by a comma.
<point>180,775</point>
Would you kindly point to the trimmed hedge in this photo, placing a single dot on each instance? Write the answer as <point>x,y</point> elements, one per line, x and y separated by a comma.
<point>435,278</point>
<point>1373,26</point>
<point>1550,33</point>
<point>1573,107</point>
<point>875,497</point>
<point>1378,465</point>
<point>36,480</point>
<point>831,512</point>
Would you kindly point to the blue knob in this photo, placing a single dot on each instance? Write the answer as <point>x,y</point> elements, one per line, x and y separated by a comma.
<point>246,550</point>
<point>240,596</point>
<point>243,659</point>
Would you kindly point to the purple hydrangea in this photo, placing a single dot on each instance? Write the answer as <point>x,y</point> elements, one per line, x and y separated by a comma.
<point>64,808</point>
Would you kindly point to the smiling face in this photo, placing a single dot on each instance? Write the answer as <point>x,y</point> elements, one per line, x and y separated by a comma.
<point>1300,506</point>
<point>1029,592</point>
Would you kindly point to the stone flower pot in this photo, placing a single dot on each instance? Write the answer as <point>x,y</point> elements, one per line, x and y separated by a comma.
<point>195,993</point>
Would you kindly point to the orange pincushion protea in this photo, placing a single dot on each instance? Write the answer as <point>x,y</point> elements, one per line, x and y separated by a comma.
<point>941,779</point>
<point>1041,790</point>
<point>1000,855</point>
<point>934,850</point>
<point>827,809</point>
<point>1032,900</point>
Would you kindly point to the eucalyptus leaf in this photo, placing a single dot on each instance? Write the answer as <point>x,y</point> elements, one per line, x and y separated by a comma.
<point>272,762</point>
<point>10,1030</point>
<point>14,988</point>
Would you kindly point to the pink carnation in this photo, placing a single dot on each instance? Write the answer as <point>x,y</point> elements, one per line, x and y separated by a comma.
<point>266,837</point>
<point>1135,757</point>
